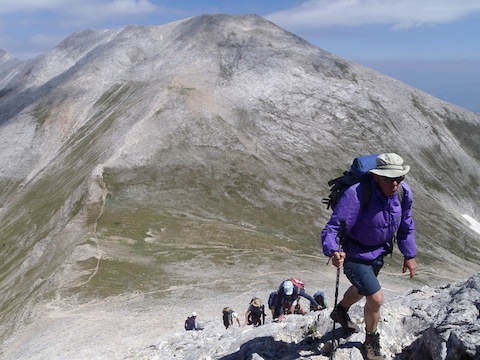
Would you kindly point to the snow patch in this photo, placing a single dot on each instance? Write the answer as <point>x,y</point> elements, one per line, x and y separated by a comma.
<point>474,224</point>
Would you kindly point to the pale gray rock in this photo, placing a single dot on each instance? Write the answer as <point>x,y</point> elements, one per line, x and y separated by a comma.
<point>440,323</point>
<point>448,319</point>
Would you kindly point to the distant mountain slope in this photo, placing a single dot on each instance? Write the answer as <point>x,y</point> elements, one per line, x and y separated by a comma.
<point>129,157</point>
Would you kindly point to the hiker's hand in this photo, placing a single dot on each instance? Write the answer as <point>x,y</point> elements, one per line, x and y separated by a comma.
<point>338,258</point>
<point>411,265</point>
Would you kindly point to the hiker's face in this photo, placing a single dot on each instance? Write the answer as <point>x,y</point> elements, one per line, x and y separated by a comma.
<point>389,186</point>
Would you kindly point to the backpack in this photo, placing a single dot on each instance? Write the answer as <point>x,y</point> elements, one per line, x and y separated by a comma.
<point>272,298</point>
<point>320,298</point>
<point>298,283</point>
<point>227,316</point>
<point>358,172</point>
<point>190,323</point>
<point>256,314</point>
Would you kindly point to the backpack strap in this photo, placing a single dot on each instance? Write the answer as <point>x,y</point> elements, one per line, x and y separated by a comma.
<point>367,194</point>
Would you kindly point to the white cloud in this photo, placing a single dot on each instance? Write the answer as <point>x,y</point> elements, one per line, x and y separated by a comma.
<point>94,13</point>
<point>28,27</point>
<point>398,13</point>
<point>72,7</point>
<point>113,8</point>
<point>30,6</point>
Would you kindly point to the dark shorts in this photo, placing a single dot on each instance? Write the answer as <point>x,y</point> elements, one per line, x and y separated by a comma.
<point>364,276</point>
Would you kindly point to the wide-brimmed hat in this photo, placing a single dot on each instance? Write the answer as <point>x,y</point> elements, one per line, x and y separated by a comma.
<point>390,165</point>
<point>257,302</point>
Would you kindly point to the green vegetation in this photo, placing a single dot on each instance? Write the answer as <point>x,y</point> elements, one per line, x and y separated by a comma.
<point>37,215</point>
<point>42,112</point>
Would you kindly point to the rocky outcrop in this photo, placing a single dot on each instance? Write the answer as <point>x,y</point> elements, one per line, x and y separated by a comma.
<point>446,322</point>
<point>440,323</point>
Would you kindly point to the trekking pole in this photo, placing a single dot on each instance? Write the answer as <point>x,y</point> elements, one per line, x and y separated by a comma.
<point>334,343</point>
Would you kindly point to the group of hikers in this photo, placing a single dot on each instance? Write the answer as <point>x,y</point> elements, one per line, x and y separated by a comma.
<point>285,300</point>
<point>281,302</point>
<point>372,208</point>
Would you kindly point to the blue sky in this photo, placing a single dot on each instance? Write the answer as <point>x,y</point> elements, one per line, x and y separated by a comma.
<point>430,44</point>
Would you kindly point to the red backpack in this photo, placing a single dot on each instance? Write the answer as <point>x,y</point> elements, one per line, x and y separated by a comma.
<point>298,283</point>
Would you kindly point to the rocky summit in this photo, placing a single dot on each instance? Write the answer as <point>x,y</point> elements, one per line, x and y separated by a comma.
<point>151,171</point>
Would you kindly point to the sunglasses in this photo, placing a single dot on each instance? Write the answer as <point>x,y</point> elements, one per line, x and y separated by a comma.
<point>391,180</point>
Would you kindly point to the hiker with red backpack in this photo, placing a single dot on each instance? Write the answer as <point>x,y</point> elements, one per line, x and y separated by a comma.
<point>368,233</point>
<point>288,292</point>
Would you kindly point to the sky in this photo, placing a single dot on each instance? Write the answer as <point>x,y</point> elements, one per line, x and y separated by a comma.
<point>432,45</point>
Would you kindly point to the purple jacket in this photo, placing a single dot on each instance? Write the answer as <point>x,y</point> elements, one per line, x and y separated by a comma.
<point>373,227</point>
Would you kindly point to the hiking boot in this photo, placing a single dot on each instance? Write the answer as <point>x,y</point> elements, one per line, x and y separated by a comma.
<point>340,315</point>
<point>371,347</point>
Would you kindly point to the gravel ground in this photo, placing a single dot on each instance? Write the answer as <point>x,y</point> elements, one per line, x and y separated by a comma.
<point>122,326</point>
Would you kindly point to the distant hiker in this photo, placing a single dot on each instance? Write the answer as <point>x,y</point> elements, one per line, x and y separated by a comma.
<point>191,322</point>
<point>369,234</point>
<point>320,298</point>
<point>287,294</point>
<point>255,314</point>
<point>228,316</point>
<point>271,301</point>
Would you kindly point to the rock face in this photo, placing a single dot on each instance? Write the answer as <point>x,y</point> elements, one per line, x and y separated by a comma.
<point>183,166</point>
<point>447,318</point>
<point>432,323</point>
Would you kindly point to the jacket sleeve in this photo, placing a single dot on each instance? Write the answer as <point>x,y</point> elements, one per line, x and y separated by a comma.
<point>406,231</point>
<point>348,209</point>
<point>302,293</point>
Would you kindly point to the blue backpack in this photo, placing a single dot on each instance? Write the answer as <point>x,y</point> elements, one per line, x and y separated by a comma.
<point>272,298</point>
<point>358,172</point>
<point>321,299</point>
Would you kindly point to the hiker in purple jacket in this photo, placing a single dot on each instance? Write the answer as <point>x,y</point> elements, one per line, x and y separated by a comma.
<point>370,231</point>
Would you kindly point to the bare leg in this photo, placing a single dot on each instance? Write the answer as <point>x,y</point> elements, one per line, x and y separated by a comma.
<point>291,309</point>
<point>372,310</point>
<point>350,297</point>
